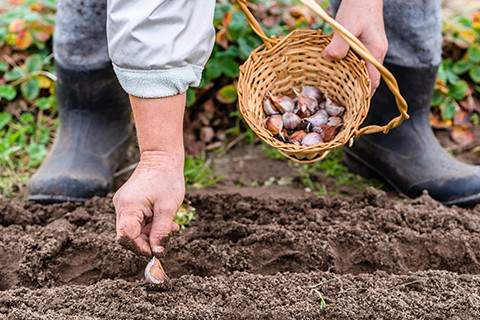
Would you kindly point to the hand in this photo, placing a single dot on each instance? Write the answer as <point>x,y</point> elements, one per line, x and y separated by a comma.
<point>364,19</point>
<point>147,203</point>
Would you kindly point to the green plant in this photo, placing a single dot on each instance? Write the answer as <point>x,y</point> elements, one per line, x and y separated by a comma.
<point>185,214</point>
<point>458,82</point>
<point>29,78</point>
<point>23,145</point>
<point>26,23</point>
<point>198,173</point>
<point>332,166</point>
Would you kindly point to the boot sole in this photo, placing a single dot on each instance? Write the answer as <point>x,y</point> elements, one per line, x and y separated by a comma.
<point>53,199</point>
<point>357,165</point>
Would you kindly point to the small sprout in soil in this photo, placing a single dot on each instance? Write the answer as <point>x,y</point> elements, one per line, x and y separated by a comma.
<point>313,289</point>
<point>185,214</point>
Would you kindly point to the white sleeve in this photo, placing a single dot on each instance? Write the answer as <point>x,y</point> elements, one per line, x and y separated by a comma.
<point>159,48</point>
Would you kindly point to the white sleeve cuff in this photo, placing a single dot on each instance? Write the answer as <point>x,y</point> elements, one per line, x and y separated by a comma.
<point>158,83</point>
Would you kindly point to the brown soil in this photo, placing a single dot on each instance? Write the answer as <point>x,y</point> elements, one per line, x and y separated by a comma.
<point>368,256</point>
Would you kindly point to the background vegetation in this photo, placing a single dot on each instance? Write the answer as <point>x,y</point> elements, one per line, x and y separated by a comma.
<point>28,108</point>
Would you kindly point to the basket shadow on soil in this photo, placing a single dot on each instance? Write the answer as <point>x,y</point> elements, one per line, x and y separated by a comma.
<point>248,258</point>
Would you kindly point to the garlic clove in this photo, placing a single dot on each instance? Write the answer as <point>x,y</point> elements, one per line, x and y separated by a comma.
<point>154,272</point>
<point>305,102</point>
<point>334,121</point>
<point>334,108</point>
<point>269,108</point>
<point>290,120</point>
<point>283,103</point>
<point>311,139</point>
<point>327,132</point>
<point>312,92</point>
<point>297,137</point>
<point>318,119</point>
<point>274,123</point>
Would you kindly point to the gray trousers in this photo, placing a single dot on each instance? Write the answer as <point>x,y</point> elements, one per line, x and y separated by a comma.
<point>413,29</point>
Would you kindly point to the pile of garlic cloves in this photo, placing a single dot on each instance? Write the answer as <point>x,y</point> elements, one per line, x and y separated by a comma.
<point>307,117</point>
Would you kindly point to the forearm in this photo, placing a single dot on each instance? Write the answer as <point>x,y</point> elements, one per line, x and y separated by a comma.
<point>159,123</point>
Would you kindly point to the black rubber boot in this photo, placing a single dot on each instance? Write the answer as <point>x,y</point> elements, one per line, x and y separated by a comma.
<point>94,134</point>
<point>409,157</point>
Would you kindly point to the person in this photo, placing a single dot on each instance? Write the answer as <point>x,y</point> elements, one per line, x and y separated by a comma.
<point>158,50</point>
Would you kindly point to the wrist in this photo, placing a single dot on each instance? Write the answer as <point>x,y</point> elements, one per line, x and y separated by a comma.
<point>159,124</point>
<point>163,160</point>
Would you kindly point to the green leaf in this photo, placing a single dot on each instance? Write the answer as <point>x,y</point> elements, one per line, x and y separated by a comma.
<point>247,45</point>
<point>451,76</point>
<point>15,74</point>
<point>3,66</point>
<point>34,63</point>
<point>474,54</point>
<point>438,98</point>
<point>31,16</point>
<point>462,66</point>
<point>475,74</point>
<point>5,118</point>
<point>30,89</point>
<point>44,103</point>
<point>448,110</point>
<point>458,90</point>
<point>213,69</point>
<point>8,92</point>
<point>227,94</point>
<point>50,3</point>
<point>190,97</point>
<point>27,118</point>
<point>466,22</point>
<point>37,152</point>
<point>441,73</point>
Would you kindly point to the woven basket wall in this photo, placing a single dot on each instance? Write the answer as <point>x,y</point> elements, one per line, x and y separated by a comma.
<point>296,60</point>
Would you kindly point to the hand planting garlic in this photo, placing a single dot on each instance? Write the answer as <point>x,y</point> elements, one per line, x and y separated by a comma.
<point>308,119</point>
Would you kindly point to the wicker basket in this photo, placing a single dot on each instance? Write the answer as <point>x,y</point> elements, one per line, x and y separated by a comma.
<point>297,59</point>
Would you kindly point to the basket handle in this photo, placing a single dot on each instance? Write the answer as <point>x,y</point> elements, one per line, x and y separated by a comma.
<point>358,47</point>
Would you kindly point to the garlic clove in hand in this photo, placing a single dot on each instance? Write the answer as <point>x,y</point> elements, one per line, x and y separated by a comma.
<point>154,272</point>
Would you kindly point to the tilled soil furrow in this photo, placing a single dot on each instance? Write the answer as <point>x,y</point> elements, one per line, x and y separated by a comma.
<point>354,235</point>
<point>420,295</point>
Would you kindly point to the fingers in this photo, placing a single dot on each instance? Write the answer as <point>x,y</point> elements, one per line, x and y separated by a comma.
<point>175,227</point>
<point>162,225</point>
<point>337,49</point>
<point>374,77</point>
<point>129,233</point>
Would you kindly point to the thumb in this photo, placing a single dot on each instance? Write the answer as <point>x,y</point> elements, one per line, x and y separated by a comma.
<point>161,227</point>
<point>337,49</point>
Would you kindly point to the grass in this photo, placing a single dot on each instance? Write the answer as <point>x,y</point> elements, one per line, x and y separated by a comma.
<point>332,166</point>
<point>24,138</point>
<point>198,173</point>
